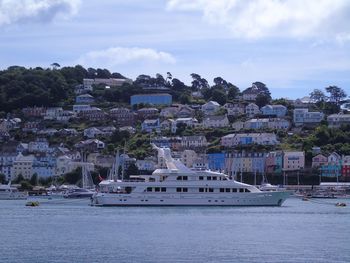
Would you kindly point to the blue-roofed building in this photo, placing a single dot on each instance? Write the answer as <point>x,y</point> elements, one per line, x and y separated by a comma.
<point>216,161</point>
<point>154,99</point>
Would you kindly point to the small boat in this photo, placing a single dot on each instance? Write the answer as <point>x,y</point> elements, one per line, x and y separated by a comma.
<point>32,203</point>
<point>78,193</point>
<point>340,204</point>
<point>8,192</point>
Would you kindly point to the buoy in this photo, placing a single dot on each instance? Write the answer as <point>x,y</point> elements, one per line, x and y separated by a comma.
<point>32,203</point>
<point>340,204</point>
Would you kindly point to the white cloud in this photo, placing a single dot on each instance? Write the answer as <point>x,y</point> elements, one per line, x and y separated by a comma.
<point>120,55</point>
<point>274,18</point>
<point>14,11</point>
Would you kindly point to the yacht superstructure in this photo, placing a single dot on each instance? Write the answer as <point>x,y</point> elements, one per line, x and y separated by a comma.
<point>8,192</point>
<point>181,186</point>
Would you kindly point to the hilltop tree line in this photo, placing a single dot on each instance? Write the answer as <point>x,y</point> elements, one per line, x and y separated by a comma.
<point>21,87</point>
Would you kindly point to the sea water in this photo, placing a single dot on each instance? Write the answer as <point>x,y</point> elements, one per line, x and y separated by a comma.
<point>73,231</point>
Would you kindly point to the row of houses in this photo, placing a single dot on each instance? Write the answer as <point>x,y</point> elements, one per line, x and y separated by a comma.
<point>332,165</point>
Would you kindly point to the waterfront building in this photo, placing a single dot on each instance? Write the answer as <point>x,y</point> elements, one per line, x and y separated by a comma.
<point>153,99</point>
<point>293,161</point>
<point>194,142</point>
<point>216,161</point>
<point>188,157</point>
<point>319,160</point>
<point>22,165</point>
<point>274,162</point>
<point>346,166</point>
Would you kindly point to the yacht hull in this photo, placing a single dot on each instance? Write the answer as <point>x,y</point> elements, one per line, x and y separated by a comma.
<point>239,199</point>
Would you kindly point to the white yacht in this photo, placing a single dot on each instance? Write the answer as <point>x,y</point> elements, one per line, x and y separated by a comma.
<point>181,186</point>
<point>8,192</point>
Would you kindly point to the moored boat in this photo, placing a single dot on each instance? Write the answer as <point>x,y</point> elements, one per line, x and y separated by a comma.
<point>8,192</point>
<point>177,185</point>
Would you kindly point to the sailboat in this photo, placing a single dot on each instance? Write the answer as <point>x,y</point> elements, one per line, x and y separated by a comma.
<point>88,188</point>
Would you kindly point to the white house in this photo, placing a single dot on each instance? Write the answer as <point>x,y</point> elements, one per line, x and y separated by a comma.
<point>92,132</point>
<point>234,109</point>
<point>252,109</point>
<point>190,122</point>
<point>216,121</point>
<point>210,108</point>
<point>238,125</point>
<point>336,120</point>
<point>303,116</point>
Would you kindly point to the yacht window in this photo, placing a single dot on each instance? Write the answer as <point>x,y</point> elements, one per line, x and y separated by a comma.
<point>178,189</point>
<point>163,189</point>
<point>222,190</point>
<point>185,178</point>
<point>214,178</point>
<point>241,190</point>
<point>211,190</point>
<point>227,190</point>
<point>209,178</point>
<point>179,178</point>
<point>234,190</point>
<point>201,190</point>
<point>184,189</point>
<point>247,190</point>
<point>149,189</point>
<point>201,178</point>
<point>157,189</point>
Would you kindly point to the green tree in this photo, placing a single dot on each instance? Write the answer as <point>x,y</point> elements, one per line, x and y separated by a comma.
<point>34,179</point>
<point>336,94</point>
<point>2,178</point>
<point>262,100</point>
<point>74,176</point>
<point>318,95</point>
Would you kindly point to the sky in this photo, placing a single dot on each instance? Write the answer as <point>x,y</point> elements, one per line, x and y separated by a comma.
<point>293,46</point>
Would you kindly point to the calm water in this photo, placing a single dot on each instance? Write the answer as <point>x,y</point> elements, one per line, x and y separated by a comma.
<point>298,231</point>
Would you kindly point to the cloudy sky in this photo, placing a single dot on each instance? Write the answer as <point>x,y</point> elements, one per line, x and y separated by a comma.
<point>294,46</point>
